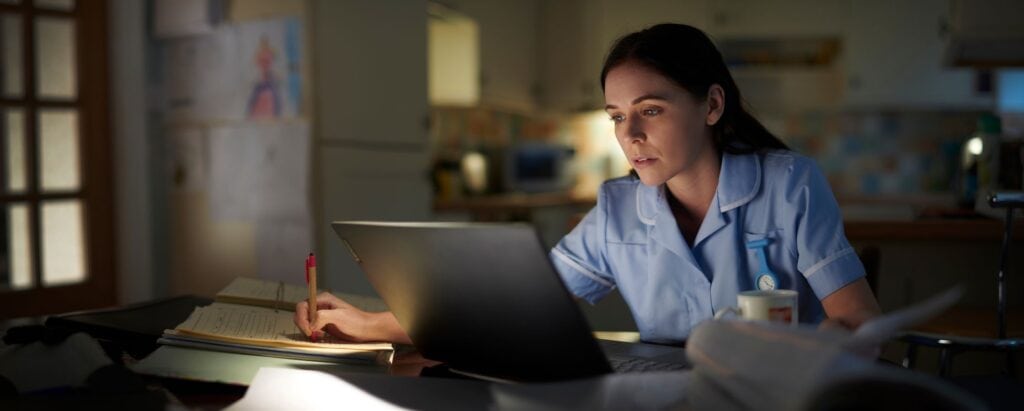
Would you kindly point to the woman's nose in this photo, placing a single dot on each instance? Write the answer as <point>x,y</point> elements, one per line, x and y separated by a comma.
<point>634,129</point>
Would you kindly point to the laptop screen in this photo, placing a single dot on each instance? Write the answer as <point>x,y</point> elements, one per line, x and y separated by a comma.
<point>482,298</point>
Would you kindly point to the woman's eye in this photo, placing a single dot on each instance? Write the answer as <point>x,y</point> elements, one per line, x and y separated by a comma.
<point>653,111</point>
<point>617,118</point>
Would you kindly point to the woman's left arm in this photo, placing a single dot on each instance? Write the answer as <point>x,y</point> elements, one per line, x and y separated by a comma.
<point>850,306</point>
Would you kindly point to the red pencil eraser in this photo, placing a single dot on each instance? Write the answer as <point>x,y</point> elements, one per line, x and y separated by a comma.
<point>312,260</point>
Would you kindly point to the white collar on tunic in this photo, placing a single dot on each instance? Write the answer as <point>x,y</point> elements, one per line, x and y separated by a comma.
<point>739,180</point>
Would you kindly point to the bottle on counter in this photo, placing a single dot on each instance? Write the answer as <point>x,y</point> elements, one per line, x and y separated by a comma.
<point>447,179</point>
<point>979,167</point>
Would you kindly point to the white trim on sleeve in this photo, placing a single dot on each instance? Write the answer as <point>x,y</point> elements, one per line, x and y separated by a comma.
<point>821,264</point>
<point>581,269</point>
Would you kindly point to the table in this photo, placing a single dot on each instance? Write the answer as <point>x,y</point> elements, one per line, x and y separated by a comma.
<point>212,380</point>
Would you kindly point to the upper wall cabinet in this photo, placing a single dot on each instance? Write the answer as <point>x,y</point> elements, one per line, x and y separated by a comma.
<point>774,18</point>
<point>889,54</point>
<point>986,33</point>
<point>893,58</point>
<point>569,64</point>
<point>370,77</point>
<point>577,34</point>
<point>508,50</point>
<point>453,53</point>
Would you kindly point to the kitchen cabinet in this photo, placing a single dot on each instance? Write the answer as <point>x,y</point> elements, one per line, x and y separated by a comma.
<point>508,50</point>
<point>893,58</point>
<point>769,90</point>
<point>370,141</point>
<point>891,53</point>
<point>577,34</point>
<point>454,58</point>
<point>365,184</point>
<point>754,19</point>
<point>371,83</point>
<point>569,61</point>
<point>985,33</point>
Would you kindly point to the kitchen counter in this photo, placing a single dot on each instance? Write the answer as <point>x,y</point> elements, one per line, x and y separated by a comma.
<point>495,207</point>
<point>512,203</point>
<point>932,229</point>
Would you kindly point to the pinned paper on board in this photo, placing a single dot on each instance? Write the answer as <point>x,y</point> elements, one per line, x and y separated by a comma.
<point>238,72</point>
<point>259,172</point>
<point>273,53</point>
<point>235,180</point>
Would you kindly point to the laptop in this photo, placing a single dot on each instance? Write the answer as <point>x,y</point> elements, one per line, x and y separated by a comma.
<point>485,300</point>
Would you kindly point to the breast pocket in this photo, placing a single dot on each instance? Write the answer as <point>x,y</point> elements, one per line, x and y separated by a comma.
<point>779,257</point>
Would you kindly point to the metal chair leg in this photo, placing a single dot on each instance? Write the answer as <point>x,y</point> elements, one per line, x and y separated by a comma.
<point>910,357</point>
<point>1001,276</point>
<point>1011,369</point>
<point>945,361</point>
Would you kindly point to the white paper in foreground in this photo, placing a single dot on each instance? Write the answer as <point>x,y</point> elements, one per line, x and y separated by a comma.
<point>771,366</point>
<point>882,328</point>
<point>293,389</point>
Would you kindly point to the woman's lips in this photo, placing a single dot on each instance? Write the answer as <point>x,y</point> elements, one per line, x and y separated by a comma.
<point>643,162</point>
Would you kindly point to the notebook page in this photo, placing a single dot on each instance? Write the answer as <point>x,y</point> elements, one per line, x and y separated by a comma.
<point>251,289</point>
<point>239,323</point>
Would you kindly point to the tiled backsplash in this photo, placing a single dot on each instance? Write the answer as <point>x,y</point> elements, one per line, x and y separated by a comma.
<point>863,153</point>
<point>866,153</point>
<point>470,128</point>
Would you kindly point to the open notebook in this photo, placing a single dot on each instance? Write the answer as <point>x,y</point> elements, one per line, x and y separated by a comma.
<point>259,330</point>
<point>283,296</point>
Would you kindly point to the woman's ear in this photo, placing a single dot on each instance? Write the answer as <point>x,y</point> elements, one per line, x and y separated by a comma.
<point>716,104</point>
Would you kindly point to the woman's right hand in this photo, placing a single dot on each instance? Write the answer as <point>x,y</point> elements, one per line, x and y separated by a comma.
<point>346,322</point>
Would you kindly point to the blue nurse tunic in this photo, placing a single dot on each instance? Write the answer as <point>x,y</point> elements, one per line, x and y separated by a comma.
<point>777,199</point>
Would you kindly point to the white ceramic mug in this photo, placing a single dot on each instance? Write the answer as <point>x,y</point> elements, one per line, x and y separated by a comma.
<point>765,305</point>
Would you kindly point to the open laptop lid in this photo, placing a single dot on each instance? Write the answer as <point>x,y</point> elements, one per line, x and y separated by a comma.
<point>482,298</point>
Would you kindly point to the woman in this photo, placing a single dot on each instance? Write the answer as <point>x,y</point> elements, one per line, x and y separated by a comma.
<point>711,189</point>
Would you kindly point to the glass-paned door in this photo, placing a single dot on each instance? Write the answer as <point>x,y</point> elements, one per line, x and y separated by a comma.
<point>56,243</point>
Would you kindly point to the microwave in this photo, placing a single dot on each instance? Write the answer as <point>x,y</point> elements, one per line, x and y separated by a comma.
<point>538,167</point>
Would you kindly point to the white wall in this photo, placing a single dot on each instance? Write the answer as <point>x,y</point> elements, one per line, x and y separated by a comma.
<point>134,212</point>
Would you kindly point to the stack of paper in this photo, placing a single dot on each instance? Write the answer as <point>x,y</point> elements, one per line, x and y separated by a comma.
<point>772,366</point>
<point>262,293</point>
<point>284,296</point>
<point>250,325</point>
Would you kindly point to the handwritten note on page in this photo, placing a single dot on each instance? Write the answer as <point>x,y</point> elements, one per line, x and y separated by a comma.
<point>250,290</point>
<point>257,325</point>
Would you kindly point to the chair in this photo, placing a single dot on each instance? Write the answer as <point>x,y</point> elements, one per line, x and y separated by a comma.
<point>950,344</point>
<point>871,257</point>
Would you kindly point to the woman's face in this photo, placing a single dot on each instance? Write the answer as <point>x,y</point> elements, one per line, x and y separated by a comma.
<point>663,130</point>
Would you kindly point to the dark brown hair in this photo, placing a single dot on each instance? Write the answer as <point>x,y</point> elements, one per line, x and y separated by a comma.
<point>687,56</point>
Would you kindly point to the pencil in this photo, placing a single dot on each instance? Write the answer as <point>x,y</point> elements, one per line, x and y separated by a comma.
<point>311,283</point>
